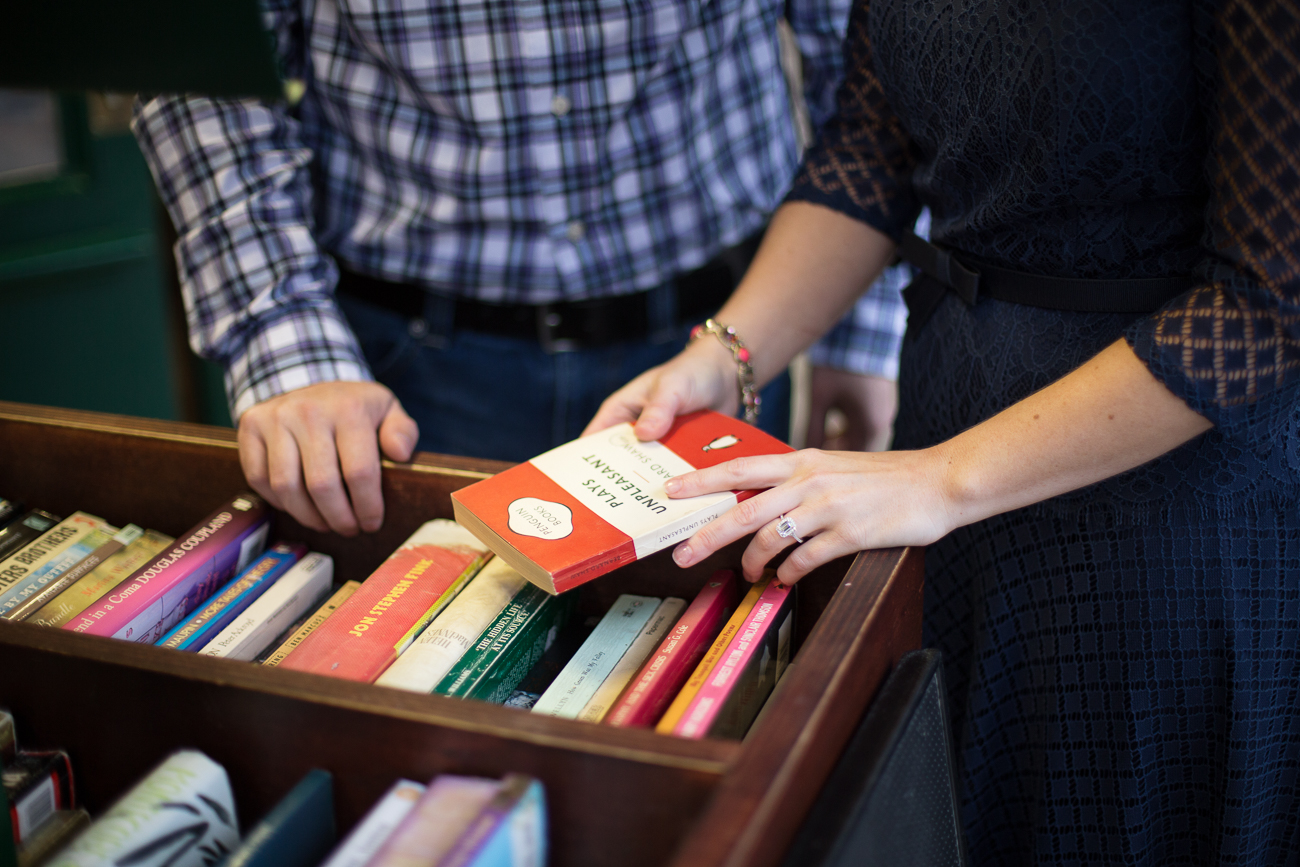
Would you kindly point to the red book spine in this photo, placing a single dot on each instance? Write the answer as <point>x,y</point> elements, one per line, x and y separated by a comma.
<point>655,685</point>
<point>368,631</point>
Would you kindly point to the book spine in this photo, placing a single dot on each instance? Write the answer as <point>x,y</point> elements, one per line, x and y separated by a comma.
<point>92,561</point>
<point>21,569</point>
<point>492,642</point>
<point>668,722</point>
<point>76,598</point>
<point>664,618</point>
<point>52,569</point>
<point>26,529</point>
<point>159,594</point>
<point>37,785</point>
<point>521,842</point>
<point>759,678</point>
<point>713,693</point>
<point>422,665</point>
<point>490,820</point>
<point>431,828</point>
<point>279,608</point>
<point>654,686</point>
<point>579,679</point>
<point>517,660</point>
<point>371,832</point>
<point>182,813</point>
<point>226,604</point>
<point>8,739</point>
<point>10,511</point>
<point>316,619</point>
<point>366,634</point>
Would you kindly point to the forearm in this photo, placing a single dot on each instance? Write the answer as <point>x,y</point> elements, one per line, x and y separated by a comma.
<point>813,264</point>
<point>1108,416</point>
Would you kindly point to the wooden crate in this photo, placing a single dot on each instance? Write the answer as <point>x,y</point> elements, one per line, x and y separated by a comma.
<point>615,796</point>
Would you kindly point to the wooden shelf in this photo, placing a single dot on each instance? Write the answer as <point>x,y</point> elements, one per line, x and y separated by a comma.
<point>615,795</point>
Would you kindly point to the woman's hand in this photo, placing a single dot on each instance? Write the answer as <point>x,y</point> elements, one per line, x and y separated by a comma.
<point>702,376</point>
<point>840,503</point>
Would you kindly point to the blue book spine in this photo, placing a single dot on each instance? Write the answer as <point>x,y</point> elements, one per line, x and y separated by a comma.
<point>193,633</point>
<point>298,832</point>
<point>520,841</point>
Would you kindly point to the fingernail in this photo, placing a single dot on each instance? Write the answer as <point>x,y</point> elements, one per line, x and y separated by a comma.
<point>682,555</point>
<point>672,486</point>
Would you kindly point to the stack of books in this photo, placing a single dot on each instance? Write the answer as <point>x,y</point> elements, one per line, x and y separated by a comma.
<point>183,814</point>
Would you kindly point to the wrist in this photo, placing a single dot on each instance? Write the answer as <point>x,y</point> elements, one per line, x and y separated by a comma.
<point>730,341</point>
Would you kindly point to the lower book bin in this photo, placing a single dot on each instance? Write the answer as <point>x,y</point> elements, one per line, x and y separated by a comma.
<point>615,796</point>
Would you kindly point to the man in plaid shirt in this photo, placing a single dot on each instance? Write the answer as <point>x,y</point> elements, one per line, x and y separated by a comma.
<point>500,211</point>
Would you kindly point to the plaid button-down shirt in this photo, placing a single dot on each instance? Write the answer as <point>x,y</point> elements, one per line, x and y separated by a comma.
<point>513,152</point>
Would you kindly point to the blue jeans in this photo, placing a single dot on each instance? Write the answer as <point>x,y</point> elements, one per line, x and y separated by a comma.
<point>490,396</point>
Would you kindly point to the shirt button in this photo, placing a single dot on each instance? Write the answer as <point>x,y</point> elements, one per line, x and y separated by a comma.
<point>575,231</point>
<point>560,105</point>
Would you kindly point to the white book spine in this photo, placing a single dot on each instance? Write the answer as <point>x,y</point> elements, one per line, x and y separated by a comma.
<point>181,815</point>
<point>422,665</point>
<point>578,681</point>
<point>371,832</point>
<point>656,628</point>
<point>293,595</point>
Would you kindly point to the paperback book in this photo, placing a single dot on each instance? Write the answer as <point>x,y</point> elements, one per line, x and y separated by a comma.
<point>589,506</point>
<point>377,825</point>
<point>24,530</point>
<point>665,672</point>
<point>154,599</point>
<point>298,832</point>
<point>509,832</point>
<point>80,594</point>
<point>87,564</point>
<point>259,625</point>
<point>663,619</point>
<point>21,568</point>
<point>301,630</point>
<point>381,619</point>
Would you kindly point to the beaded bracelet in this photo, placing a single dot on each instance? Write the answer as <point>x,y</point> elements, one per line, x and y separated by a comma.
<point>749,396</point>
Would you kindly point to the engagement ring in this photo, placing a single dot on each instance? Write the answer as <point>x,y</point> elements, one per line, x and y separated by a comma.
<point>785,528</point>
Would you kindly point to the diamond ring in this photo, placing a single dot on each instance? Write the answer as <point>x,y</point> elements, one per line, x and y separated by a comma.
<point>785,528</point>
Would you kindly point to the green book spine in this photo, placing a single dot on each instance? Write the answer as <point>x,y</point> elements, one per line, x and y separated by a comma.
<point>513,666</point>
<point>493,658</point>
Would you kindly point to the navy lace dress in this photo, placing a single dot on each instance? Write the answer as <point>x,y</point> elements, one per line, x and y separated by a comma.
<point>1124,661</point>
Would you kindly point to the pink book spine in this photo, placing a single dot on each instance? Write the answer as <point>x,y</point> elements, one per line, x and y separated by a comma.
<point>200,558</point>
<point>671,664</point>
<point>712,696</point>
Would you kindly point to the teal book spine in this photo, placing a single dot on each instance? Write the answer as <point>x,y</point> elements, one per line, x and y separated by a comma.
<point>578,681</point>
<point>298,832</point>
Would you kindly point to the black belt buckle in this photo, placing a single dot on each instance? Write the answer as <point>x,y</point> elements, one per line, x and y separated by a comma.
<point>549,321</point>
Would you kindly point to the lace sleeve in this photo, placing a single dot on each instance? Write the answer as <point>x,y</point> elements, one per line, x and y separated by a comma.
<point>1230,347</point>
<point>862,161</point>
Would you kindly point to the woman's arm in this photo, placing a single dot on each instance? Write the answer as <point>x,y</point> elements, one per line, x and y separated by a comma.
<point>1108,416</point>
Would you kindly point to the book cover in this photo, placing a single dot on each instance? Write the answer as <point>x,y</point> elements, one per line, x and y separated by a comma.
<point>154,599</point>
<point>376,826</point>
<point>52,568</point>
<point>26,529</point>
<point>37,784</point>
<point>394,604</point>
<point>56,833</point>
<point>508,648</point>
<point>81,593</point>
<point>422,665</point>
<point>440,816</point>
<point>315,619</point>
<point>296,593</point>
<point>580,678</point>
<point>298,832</point>
<point>654,686</point>
<point>225,604</point>
<point>668,722</point>
<point>22,567</point>
<point>87,564</point>
<point>509,832</point>
<point>663,620</point>
<point>735,689</point>
<point>181,815</point>
<point>589,506</point>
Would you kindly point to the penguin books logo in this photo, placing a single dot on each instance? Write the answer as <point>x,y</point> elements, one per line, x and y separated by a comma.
<point>723,442</point>
<point>541,519</point>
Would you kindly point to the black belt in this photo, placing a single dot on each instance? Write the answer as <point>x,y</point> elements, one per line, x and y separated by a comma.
<point>1140,295</point>
<point>571,324</point>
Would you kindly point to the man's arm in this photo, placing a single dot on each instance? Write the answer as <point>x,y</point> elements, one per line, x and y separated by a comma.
<point>259,298</point>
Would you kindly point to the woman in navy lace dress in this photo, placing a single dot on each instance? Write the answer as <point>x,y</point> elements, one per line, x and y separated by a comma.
<point>1112,500</point>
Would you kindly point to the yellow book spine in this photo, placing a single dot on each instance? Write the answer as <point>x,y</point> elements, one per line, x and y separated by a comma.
<point>340,596</point>
<point>715,651</point>
<point>104,578</point>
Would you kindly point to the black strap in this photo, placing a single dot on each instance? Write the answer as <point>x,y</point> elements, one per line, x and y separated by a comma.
<point>972,281</point>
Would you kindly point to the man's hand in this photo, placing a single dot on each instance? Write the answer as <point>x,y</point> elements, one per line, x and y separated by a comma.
<point>867,405</point>
<point>299,450</point>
